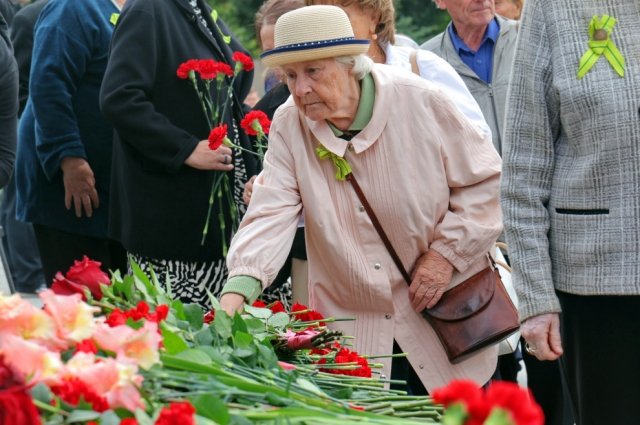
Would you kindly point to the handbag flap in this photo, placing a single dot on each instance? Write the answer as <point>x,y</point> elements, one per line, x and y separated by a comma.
<point>467,298</point>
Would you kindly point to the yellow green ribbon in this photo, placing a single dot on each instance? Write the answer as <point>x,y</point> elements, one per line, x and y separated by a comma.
<point>600,43</point>
<point>343,169</point>
<point>114,18</point>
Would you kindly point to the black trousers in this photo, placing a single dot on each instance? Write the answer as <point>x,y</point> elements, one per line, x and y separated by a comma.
<point>601,361</point>
<point>59,249</point>
<point>545,381</point>
<point>401,369</point>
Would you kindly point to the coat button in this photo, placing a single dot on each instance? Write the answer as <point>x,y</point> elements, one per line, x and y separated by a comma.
<point>377,266</point>
<point>361,208</point>
<point>387,316</point>
<point>600,35</point>
<point>421,366</point>
<point>350,147</point>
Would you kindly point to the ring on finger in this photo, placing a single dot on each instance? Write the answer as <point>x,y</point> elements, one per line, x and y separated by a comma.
<point>227,159</point>
<point>530,348</point>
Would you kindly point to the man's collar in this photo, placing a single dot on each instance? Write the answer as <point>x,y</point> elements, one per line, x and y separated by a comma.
<point>491,33</point>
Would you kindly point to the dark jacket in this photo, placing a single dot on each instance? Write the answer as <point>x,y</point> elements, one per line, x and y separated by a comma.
<point>269,103</point>
<point>8,105</point>
<point>8,10</point>
<point>22,38</point>
<point>159,204</point>
<point>62,117</point>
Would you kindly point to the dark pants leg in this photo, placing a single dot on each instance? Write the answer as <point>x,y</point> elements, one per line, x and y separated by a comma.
<point>401,369</point>
<point>548,388</point>
<point>601,341</point>
<point>59,249</point>
<point>20,245</point>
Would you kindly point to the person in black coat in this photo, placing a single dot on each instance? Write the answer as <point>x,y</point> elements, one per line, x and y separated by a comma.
<point>19,240</point>
<point>163,169</point>
<point>8,104</point>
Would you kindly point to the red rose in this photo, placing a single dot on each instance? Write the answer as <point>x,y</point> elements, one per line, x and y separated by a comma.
<point>217,136</point>
<point>209,317</point>
<point>186,67</point>
<point>245,61</point>
<point>87,272</point>
<point>208,69</point>
<point>177,413</point>
<point>256,122</point>
<point>63,286</point>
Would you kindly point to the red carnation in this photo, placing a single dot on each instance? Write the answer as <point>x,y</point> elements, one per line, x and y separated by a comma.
<point>245,61</point>
<point>259,304</point>
<point>87,346</point>
<point>186,67</point>
<point>217,136</point>
<point>277,307</point>
<point>256,123</point>
<point>72,390</point>
<point>177,413</point>
<point>116,318</point>
<point>307,315</point>
<point>129,421</point>
<point>515,400</point>
<point>208,69</point>
<point>224,69</point>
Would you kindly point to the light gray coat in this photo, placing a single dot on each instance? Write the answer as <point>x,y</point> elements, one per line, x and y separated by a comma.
<point>491,97</point>
<point>571,179</point>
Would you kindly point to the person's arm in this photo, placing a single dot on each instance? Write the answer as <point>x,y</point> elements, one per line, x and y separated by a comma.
<point>8,110</point>
<point>532,126</point>
<point>266,233</point>
<point>124,96</point>
<point>437,70</point>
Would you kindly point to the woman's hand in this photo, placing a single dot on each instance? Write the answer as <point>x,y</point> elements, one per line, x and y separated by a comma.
<point>542,334</point>
<point>248,190</point>
<point>203,158</point>
<point>232,302</point>
<point>431,276</point>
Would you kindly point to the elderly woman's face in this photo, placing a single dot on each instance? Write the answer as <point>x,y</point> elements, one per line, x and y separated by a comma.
<point>323,89</point>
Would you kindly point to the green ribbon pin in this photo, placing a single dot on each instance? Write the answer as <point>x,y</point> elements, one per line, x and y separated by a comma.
<point>600,43</point>
<point>114,18</point>
<point>343,169</point>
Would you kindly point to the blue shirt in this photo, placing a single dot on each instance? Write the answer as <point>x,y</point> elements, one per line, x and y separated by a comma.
<point>481,61</point>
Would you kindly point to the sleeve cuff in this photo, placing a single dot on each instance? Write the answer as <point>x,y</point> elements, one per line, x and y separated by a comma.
<point>247,286</point>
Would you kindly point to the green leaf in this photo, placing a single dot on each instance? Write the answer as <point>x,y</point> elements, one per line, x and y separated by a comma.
<point>82,416</point>
<point>254,326</point>
<point>143,418</point>
<point>109,418</point>
<point>173,344</point>
<point>142,282</point>
<point>499,416</point>
<point>342,393</point>
<point>222,324</point>
<point>203,337</point>
<point>193,314</point>
<point>243,343</point>
<point>259,312</point>
<point>127,287</point>
<point>309,386</point>
<point>212,407</point>
<point>239,420</point>
<point>278,320</point>
<point>178,307</point>
<point>268,357</point>
<point>215,304</point>
<point>42,393</point>
<point>196,356</point>
<point>214,354</point>
<point>238,324</point>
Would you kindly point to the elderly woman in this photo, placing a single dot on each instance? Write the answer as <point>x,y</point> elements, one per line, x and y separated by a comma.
<point>374,20</point>
<point>428,173</point>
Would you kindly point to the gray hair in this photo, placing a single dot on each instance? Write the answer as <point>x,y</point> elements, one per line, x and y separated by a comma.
<point>360,64</point>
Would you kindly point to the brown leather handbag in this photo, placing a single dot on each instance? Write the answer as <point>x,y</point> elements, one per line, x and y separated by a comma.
<point>473,315</point>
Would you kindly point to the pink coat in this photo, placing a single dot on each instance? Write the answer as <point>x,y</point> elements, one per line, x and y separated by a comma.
<point>432,180</point>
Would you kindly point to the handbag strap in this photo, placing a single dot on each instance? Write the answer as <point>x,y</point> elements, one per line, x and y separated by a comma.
<point>376,224</point>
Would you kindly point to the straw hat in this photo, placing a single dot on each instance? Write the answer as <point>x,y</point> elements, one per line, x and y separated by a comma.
<point>313,32</point>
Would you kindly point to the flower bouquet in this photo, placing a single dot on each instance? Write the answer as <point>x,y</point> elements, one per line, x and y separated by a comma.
<point>213,84</point>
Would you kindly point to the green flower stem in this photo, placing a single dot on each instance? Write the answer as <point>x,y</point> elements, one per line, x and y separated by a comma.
<point>385,356</point>
<point>214,187</point>
<point>49,408</point>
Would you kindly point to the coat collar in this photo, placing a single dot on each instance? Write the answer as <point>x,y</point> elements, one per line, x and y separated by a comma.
<point>449,52</point>
<point>372,131</point>
<point>187,10</point>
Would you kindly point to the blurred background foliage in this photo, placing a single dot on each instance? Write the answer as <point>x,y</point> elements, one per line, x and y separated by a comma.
<point>418,19</point>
